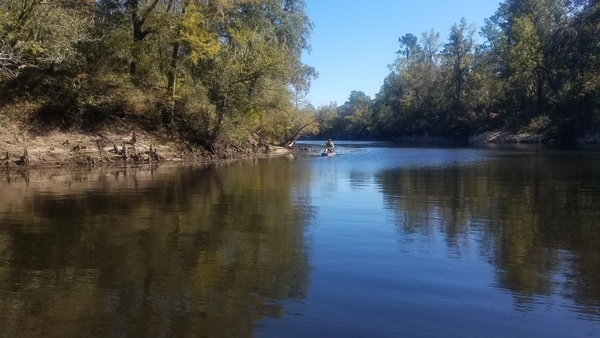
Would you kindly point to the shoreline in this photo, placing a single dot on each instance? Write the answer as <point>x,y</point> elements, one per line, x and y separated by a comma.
<point>57,149</point>
<point>505,137</point>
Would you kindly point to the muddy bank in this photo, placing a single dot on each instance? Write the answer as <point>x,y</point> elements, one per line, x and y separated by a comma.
<point>529,138</point>
<point>507,137</point>
<point>20,149</point>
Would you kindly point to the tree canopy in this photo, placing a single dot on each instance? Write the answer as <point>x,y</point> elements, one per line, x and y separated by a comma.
<point>536,70</point>
<point>211,71</point>
<point>230,72</point>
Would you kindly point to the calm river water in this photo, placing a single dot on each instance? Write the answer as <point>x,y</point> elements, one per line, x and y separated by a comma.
<point>378,241</point>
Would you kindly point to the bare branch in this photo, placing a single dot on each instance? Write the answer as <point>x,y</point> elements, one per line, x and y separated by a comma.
<point>11,63</point>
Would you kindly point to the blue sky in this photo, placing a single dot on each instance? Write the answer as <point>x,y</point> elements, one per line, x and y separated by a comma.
<point>354,41</point>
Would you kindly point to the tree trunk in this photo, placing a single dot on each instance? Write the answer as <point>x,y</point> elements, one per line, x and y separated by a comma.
<point>139,33</point>
<point>291,140</point>
<point>540,103</point>
<point>172,80</point>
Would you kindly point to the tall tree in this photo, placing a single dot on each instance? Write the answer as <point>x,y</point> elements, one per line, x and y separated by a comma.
<point>259,58</point>
<point>41,33</point>
<point>356,113</point>
<point>409,46</point>
<point>193,38</point>
<point>520,36</point>
<point>575,61</point>
<point>458,59</point>
<point>387,107</point>
<point>141,12</point>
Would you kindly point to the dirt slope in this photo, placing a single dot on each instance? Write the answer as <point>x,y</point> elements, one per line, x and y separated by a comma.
<point>19,148</point>
<point>58,148</point>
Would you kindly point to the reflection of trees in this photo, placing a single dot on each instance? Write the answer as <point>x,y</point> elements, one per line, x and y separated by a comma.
<point>534,218</point>
<point>205,252</point>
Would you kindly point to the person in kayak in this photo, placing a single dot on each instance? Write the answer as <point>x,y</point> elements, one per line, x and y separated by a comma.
<point>329,146</point>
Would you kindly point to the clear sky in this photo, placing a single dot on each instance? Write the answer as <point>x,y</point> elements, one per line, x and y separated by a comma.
<point>354,41</point>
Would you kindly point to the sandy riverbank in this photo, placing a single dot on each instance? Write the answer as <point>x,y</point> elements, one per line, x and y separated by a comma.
<point>506,137</point>
<point>55,148</point>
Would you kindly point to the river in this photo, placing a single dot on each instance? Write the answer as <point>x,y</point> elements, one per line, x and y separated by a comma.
<point>381,240</point>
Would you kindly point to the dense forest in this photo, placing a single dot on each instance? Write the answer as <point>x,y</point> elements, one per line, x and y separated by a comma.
<point>219,73</point>
<point>537,71</point>
<point>214,73</point>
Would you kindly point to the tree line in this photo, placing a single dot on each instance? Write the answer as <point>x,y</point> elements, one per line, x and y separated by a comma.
<point>537,70</point>
<point>213,72</point>
<point>221,73</point>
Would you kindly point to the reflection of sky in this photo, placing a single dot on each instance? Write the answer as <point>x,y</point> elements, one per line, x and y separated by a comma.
<point>370,278</point>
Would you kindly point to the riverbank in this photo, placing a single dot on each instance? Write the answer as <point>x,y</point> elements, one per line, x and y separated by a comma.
<point>118,146</point>
<point>506,137</point>
<point>498,136</point>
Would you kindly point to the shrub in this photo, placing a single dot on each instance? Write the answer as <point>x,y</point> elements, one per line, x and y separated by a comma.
<point>538,124</point>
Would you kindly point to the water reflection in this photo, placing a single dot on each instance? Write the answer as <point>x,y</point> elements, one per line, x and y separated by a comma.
<point>455,242</point>
<point>151,251</point>
<point>534,218</point>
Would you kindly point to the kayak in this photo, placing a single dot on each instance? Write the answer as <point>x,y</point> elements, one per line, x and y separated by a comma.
<point>328,152</point>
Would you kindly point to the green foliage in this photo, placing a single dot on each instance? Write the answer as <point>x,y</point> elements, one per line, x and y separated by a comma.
<point>352,120</point>
<point>538,124</point>
<point>537,71</point>
<point>409,46</point>
<point>225,71</point>
<point>201,42</point>
<point>356,113</point>
<point>63,100</point>
<point>257,62</point>
<point>326,117</point>
<point>40,34</point>
<point>229,65</point>
<point>59,99</point>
